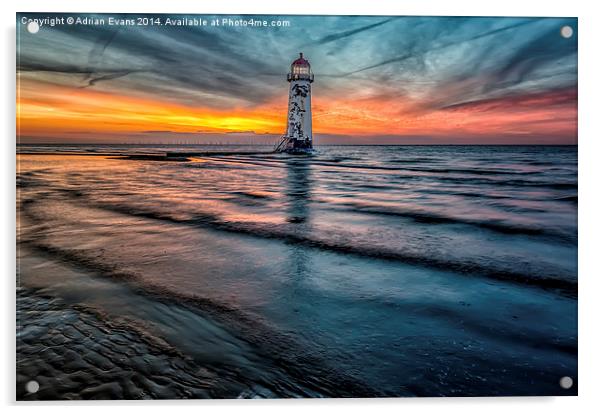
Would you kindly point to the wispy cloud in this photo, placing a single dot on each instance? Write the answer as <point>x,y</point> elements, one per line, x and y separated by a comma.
<point>404,66</point>
<point>341,35</point>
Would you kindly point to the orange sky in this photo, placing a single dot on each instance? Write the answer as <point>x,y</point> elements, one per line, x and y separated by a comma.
<point>378,80</point>
<point>47,110</point>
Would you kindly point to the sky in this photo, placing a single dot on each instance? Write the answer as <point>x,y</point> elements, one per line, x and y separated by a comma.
<point>378,80</point>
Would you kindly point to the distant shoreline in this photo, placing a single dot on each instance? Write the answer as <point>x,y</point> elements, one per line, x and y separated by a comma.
<point>62,144</point>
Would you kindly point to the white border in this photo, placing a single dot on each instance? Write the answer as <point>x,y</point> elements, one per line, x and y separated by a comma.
<point>348,7</point>
<point>589,189</point>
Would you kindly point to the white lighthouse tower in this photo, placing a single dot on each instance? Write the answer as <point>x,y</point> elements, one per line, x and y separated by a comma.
<point>298,138</point>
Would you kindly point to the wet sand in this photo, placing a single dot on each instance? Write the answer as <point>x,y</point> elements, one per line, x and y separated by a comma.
<point>346,274</point>
<point>195,350</point>
<point>73,353</point>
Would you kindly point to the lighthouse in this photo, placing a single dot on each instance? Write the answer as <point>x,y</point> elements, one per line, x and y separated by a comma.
<point>298,138</point>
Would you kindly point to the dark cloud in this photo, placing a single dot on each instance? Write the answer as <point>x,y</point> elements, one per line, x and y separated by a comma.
<point>546,48</point>
<point>347,33</point>
<point>92,75</point>
<point>419,53</point>
<point>93,80</point>
<point>24,65</point>
<point>97,51</point>
<point>437,62</point>
<point>164,61</point>
<point>522,101</point>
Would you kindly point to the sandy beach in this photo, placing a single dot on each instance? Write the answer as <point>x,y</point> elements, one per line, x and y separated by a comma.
<point>345,274</point>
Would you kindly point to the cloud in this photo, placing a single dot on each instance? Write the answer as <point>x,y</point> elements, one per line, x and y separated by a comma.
<point>97,51</point>
<point>92,75</point>
<point>415,54</point>
<point>519,102</point>
<point>412,65</point>
<point>341,35</point>
<point>548,47</point>
<point>110,76</point>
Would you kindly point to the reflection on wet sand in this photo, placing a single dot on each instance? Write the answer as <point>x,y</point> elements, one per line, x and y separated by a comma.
<point>357,272</point>
<point>298,189</point>
<point>298,192</point>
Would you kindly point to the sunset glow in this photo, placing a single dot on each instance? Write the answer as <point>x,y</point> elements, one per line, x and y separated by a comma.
<point>509,102</point>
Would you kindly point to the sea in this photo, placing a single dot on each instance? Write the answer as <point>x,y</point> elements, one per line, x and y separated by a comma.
<point>234,272</point>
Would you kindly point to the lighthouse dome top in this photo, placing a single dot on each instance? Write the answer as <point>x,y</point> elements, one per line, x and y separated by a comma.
<point>301,61</point>
<point>300,70</point>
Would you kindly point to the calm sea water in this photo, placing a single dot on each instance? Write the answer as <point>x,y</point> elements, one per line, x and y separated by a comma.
<point>360,271</point>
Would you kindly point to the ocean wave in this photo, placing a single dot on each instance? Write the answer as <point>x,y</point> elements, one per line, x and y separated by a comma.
<point>492,225</point>
<point>546,278</point>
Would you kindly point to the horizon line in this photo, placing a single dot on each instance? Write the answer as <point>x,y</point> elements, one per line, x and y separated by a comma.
<point>316,145</point>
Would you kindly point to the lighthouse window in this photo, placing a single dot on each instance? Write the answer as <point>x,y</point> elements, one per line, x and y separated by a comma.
<point>300,70</point>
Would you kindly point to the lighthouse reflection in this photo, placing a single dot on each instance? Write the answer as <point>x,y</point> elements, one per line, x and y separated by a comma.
<point>298,189</point>
<point>298,213</point>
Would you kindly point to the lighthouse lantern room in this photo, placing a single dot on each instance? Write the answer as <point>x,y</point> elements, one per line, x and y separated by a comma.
<point>298,138</point>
